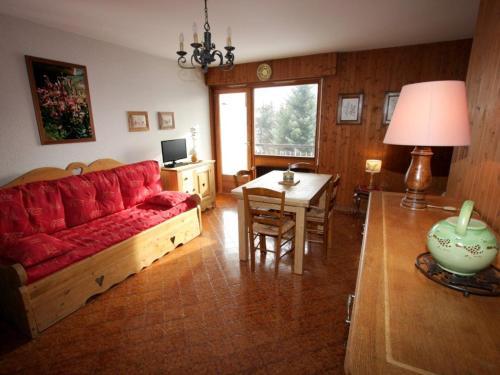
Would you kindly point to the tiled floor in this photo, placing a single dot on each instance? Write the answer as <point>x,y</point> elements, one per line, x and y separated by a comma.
<point>199,310</point>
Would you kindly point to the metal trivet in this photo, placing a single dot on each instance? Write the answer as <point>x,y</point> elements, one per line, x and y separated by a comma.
<point>484,283</point>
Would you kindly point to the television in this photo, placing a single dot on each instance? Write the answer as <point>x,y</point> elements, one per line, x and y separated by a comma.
<point>173,150</point>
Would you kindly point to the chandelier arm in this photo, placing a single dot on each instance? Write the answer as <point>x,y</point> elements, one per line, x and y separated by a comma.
<point>219,55</point>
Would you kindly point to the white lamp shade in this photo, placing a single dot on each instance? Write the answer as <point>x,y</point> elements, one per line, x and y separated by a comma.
<point>430,114</point>
<point>373,166</point>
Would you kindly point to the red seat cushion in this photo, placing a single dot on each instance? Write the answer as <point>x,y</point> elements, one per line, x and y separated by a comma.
<point>99,234</point>
<point>44,205</point>
<point>14,219</point>
<point>108,196</point>
<point>168,199</point>
<point>138,181</point>
<point>79,200</point>
<point>35,249</point>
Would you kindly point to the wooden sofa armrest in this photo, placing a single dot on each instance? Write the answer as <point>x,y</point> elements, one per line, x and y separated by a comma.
<point>12,275</point>
<point>15,306</point>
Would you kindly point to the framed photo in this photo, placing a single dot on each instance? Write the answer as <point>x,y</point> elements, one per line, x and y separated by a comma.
<point>391,98</point>
<point>138,121</point>
<point>61,100</point>
<point>166,120</point>
<point>349,109</point>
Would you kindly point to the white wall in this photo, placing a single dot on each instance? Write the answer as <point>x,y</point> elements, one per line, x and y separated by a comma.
<point>120,80</point>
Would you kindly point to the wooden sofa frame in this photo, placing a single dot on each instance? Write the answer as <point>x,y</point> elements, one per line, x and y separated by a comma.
<point>37,306</point>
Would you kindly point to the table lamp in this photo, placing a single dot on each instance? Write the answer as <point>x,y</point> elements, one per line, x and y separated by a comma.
<point>372,166</point>
<point>427,114</point>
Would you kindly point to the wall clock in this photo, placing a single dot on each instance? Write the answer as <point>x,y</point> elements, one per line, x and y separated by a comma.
<point>264,72</point>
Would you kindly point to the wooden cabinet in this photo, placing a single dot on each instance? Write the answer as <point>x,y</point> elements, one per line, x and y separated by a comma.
<point>192,178</point>
<point>404,323</point>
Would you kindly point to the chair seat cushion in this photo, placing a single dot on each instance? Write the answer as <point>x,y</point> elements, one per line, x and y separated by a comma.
<point>271,230</point>
<point>168,199</point>
<point>35,249</point>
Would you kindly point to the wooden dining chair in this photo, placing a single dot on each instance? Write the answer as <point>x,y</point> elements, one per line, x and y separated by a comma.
<point>318,220</point>
<point>242,177</point>
<point>303,167</point>
<point>262,223</point>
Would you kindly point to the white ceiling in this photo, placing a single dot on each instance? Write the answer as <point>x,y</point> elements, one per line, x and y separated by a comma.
<point>262,29</point>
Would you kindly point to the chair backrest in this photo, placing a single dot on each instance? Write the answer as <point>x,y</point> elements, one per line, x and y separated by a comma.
<point>255,214</point>
<point>242,177</point>
<point>333,195</point>
<point>303,167</point>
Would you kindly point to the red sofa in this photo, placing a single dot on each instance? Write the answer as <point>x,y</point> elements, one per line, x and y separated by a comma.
<point>48,226</point>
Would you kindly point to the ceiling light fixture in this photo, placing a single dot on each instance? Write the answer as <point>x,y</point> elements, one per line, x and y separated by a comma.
<point>205,53</point>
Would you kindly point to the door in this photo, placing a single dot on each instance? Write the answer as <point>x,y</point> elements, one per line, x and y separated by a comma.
<point>233,138</point>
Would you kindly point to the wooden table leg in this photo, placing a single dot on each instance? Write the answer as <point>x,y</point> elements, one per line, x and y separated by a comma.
<point>300,231</point>
<point>242,233</point>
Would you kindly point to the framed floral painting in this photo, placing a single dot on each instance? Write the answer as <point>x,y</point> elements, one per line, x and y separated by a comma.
<point>61,100</point>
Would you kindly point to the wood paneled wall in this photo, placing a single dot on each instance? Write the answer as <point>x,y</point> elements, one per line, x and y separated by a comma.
<point>311,66</point>
<point>475,170</point>
<point>344,148</point>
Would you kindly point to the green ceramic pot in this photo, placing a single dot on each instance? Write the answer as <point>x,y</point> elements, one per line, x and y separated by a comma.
<point>462,245</point>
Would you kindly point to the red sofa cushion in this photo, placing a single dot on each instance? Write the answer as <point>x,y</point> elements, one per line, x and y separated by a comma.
<point>44,205</point>
<point>35,249</point>
<point>99,234</point>
<point>79,200</point>
<point>14,219</point>
<point>138,181</point>
<point>108,196</point>
<point>168,199</point>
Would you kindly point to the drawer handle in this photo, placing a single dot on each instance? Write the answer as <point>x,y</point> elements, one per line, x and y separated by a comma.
<point>350,301</point>
<point>203,185</point>
<point>185,178</point>
<point>194,190</point>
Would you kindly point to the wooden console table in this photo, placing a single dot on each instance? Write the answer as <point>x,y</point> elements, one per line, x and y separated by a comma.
<point>402,322</point>
<point>198,177</point>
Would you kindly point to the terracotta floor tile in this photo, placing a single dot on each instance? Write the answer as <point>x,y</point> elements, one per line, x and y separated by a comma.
<point>199,310</point>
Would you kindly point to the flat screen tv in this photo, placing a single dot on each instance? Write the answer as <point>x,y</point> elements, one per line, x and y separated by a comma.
<point>173,150</point>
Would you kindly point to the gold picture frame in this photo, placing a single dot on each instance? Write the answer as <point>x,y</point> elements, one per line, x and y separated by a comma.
<point>166,120</point>
<point>138,121</point>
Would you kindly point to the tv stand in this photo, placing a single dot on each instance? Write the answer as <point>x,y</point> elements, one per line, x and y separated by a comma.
<point>192,178</point>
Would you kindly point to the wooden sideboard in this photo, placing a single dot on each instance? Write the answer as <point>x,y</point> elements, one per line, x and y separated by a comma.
<point>192,178</point>
<point>404,323</point>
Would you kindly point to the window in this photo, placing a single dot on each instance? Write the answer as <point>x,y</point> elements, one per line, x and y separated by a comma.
<point>285,120</point>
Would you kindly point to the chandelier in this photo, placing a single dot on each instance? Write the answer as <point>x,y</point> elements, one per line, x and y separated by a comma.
<point>205,53</point>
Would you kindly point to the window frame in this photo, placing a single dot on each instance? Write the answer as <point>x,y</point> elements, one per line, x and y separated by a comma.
<point>318,114</point>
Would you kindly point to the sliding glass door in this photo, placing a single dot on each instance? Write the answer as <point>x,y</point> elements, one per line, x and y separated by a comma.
<point>233,135</point>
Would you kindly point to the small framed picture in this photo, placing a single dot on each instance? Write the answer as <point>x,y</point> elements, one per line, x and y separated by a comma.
<point>391,98</point>
<point>350,108</point>
<point>166,120</point>
<point>138,121</point>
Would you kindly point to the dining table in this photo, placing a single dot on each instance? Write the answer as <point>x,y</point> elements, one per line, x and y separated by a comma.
<point>308,188</point>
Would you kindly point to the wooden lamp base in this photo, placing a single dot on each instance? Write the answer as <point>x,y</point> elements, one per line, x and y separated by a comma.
<point>418,178</point>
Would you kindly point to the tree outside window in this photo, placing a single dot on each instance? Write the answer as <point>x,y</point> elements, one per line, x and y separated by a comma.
<point>285,120</point>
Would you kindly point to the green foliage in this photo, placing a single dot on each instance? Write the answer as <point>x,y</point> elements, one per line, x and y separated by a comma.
<point>294,122</point>
<point>265,123</point>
